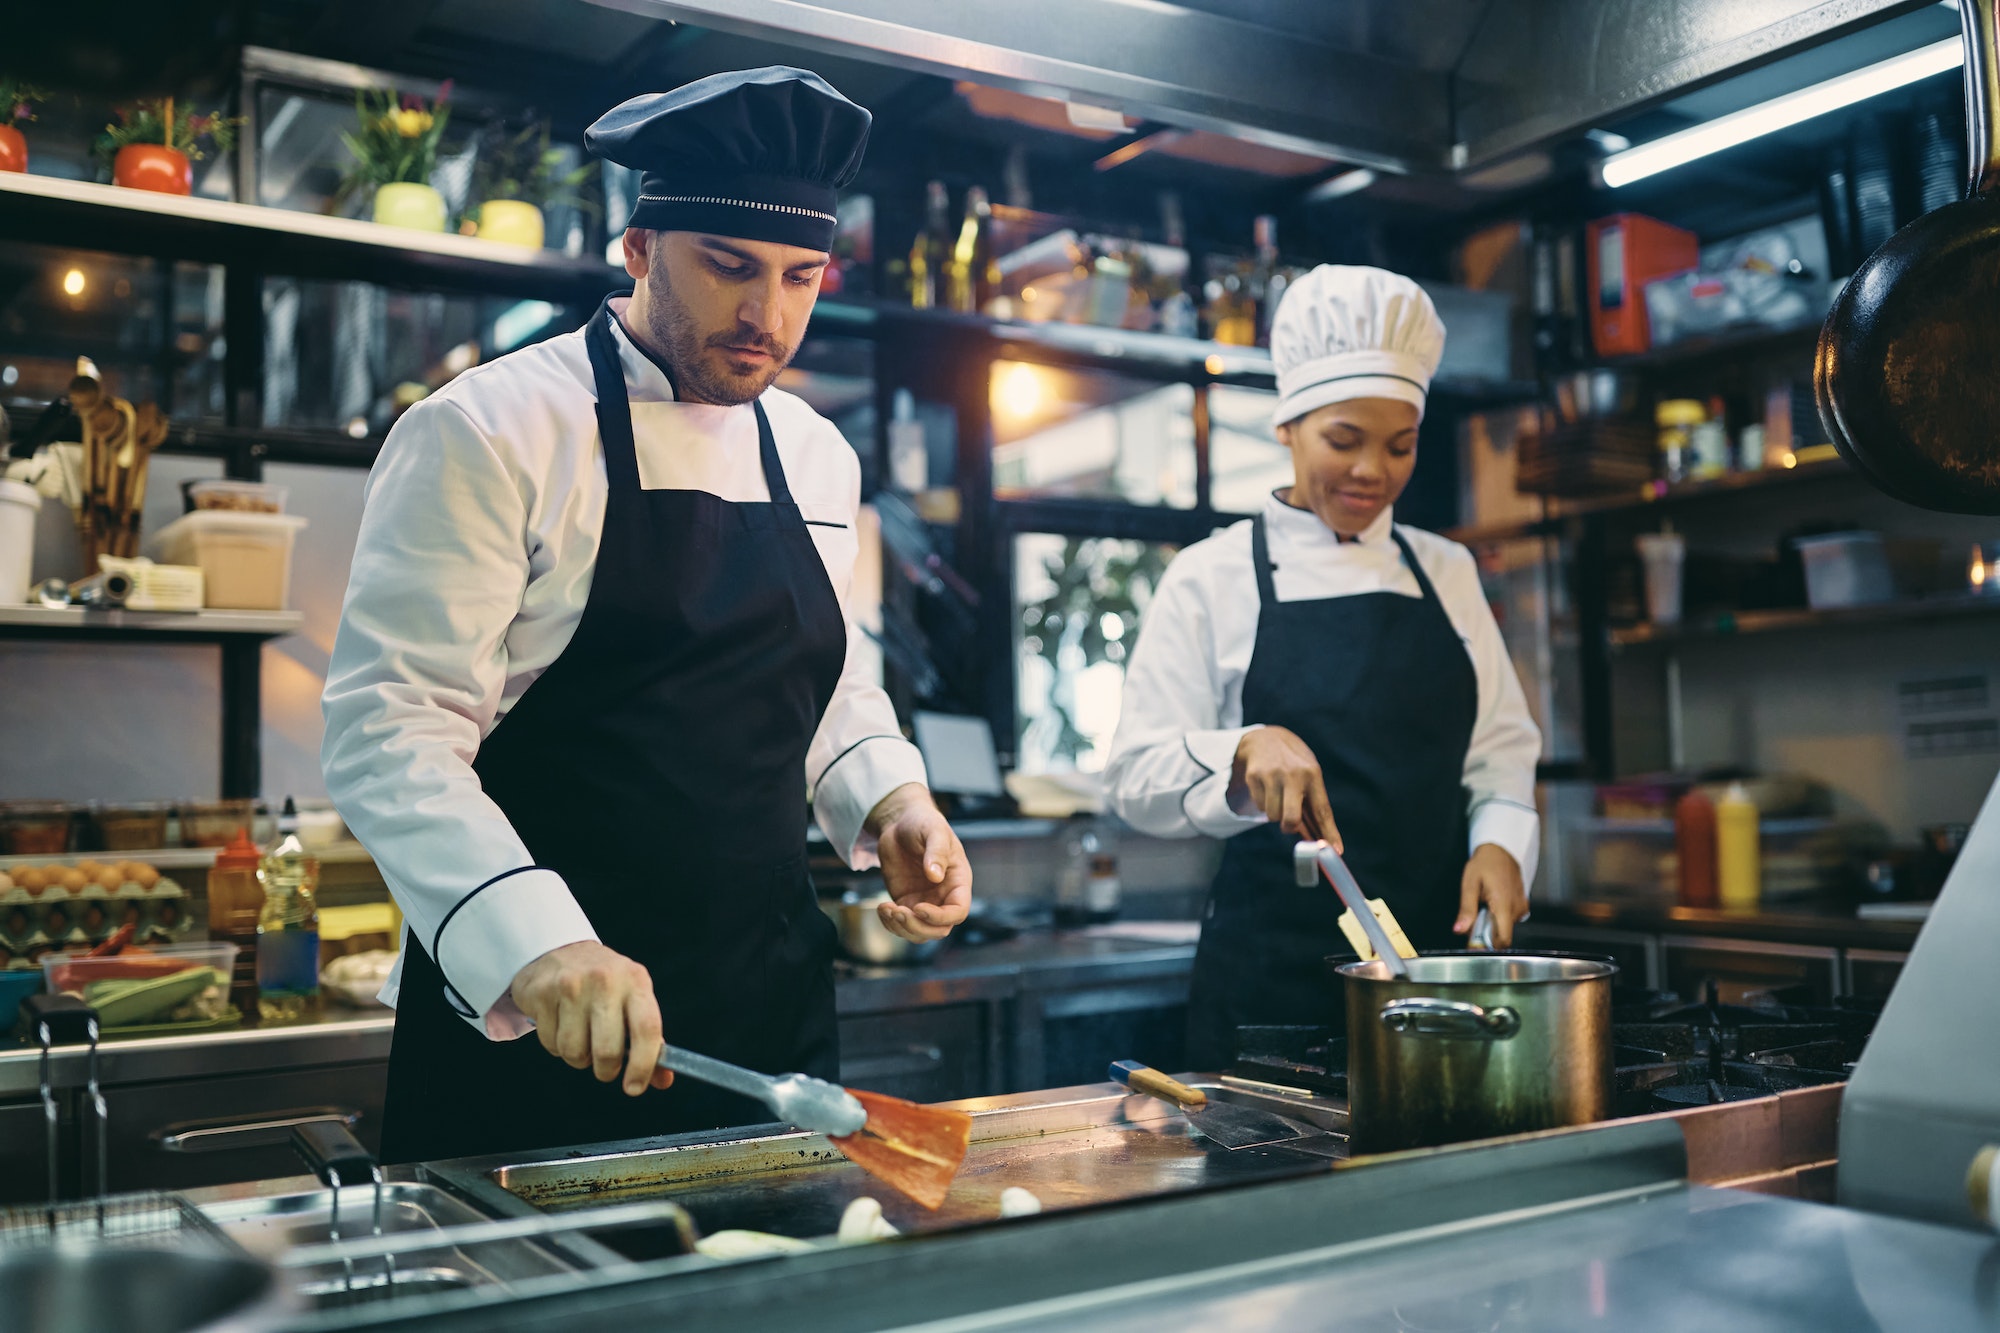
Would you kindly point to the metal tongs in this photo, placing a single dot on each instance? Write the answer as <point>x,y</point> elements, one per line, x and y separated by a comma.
<point>1312,857</point>
<point>797,1099</point>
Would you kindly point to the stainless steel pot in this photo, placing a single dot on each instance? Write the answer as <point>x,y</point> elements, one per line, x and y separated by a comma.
<point>1474,1045</point>
<point>61,1288</point>
<point>865,939</point>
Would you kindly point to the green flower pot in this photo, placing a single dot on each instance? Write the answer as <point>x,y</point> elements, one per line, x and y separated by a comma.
<point>405,204</point>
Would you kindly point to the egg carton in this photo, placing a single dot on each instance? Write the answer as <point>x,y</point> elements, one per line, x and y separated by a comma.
<point>60,919</point>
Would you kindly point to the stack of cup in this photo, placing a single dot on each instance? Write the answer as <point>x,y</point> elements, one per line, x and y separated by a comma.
<point>1663,554</point>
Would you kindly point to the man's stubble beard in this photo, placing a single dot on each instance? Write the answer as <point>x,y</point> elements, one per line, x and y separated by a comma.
<point>671,328</point>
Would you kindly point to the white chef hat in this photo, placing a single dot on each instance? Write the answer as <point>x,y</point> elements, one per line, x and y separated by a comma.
<point>1344,332</point>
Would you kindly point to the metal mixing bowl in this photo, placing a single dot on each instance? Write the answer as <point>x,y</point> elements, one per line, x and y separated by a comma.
<point>864,938</point>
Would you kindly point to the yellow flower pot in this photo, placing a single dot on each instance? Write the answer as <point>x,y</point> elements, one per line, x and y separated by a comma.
<point>511,222</point>
<point>406,204</point>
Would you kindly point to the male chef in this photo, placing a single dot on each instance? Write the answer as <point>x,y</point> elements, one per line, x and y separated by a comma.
<point>595,659</point>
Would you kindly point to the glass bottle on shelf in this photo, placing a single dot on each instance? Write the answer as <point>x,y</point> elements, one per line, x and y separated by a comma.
<point>1232,316</point>
<point>288,928</point>
<point>973,275</point>
<point>931,251</point>
<point>1267,280</point>
<point>1087,887</point>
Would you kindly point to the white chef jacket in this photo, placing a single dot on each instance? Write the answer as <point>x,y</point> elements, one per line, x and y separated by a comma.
<point>1172,755</point>
<point>478,540</point>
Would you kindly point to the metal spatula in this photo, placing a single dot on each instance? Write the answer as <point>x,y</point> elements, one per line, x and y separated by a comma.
<point>1231,1126</point>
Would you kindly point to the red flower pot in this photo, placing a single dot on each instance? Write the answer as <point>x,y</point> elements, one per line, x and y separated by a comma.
<point>13,149</point>
<point>152,166</point>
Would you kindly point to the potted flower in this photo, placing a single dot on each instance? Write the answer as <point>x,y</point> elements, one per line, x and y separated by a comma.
<point>153,143</point>
<point>17,104</point>
<point>518,177</point>
<point>395,151</point>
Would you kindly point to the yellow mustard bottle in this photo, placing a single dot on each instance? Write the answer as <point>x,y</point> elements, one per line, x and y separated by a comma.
<point>1739,872</point>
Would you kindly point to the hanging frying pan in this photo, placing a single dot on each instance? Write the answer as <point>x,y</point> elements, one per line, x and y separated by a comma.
<point>1908,372</point>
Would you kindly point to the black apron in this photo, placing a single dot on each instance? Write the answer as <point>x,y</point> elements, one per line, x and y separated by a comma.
<point>659,766</point>
<point>1380,687</point>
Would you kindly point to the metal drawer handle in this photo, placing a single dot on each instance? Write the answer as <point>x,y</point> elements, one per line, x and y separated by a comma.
<point>909,1060</point>
<point>223,1136</point>
<point>1449,1018</point>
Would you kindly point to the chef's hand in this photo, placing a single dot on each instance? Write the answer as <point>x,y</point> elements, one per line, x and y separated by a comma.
<point>923,865</point>
<point>1492,877</point>
<point>594,1009</point>
<point>1283,778</point>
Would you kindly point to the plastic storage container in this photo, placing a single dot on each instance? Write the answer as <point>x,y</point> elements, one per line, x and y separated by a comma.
<point>242,497</point>
<point>214,823</point>
<point>245,559</point>
<point>1846,569</point>
<point>141,989</point>
<point>127,828</point>
<point>35,828</point>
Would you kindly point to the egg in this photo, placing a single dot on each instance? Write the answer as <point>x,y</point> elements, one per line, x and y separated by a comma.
<point>72,879</point>
<point>142,874</point>
<point>109,878</point>
<point>89,867</point>
<point>6,882</point>
<point>32,878</point>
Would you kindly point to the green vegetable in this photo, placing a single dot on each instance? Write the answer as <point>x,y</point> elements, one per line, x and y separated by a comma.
<point>125,1001</point>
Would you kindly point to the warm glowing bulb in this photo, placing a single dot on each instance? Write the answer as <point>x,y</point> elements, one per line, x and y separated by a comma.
<point>1977,574</point>
<point>73,282</point>
<point>1213,365</point>
<point>1020,390</point>
<point>1791,459</point>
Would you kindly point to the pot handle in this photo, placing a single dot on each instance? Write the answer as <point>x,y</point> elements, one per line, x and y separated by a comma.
<point>1449,1018</point>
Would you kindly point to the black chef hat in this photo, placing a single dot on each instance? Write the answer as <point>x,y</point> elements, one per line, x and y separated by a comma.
<point>757,154</point>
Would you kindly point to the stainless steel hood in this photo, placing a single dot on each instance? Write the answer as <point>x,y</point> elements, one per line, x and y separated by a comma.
<point>1400,85</point>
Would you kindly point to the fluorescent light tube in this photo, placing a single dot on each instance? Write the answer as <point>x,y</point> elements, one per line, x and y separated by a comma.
<point>1684,146</point>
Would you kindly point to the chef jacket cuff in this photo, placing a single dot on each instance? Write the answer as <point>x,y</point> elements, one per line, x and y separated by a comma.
<point>1515,829</point>
<point>854,784</point>
<point>1214,805</point>
<point>494,932</point>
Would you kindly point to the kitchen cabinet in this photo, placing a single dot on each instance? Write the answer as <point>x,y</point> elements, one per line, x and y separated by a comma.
<point>1743,971</point>
<point>212,1131</point>
<point>1871,973</point>
<point>1636,953</point>
<point>1070,1036</point>
<point>934,1054</point>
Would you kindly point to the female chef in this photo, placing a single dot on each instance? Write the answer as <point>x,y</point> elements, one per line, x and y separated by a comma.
<point>1322,671</point>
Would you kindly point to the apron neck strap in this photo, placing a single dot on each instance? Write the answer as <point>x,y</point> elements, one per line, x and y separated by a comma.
<point>614,405</point>
<point>1260,559</point>
<point>1416,567</point>
<point>614,412</point>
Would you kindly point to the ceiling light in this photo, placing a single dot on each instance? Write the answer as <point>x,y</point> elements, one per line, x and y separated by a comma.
<point>73,282</point>
<point>1684,146</point>
<point>1337,187</point>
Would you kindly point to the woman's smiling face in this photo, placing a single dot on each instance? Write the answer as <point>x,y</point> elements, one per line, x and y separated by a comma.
<point>1350,460</point>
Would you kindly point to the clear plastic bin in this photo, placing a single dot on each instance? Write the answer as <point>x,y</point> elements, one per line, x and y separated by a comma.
<point>141,987</point>
<point>245,559</point>
<point>1846,569</point>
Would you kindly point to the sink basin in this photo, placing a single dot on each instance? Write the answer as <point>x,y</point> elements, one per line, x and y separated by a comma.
<point>272,1224</point>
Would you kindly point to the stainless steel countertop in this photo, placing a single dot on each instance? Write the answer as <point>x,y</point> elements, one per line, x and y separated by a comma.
<point>1036,961</point>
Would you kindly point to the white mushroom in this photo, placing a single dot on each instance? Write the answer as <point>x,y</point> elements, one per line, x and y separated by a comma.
<point>1017,1202</point>
<point>863,1220</point>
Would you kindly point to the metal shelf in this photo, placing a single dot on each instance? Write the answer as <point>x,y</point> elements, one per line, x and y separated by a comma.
<point>1771,622</point>
<point>203,626</point>
<point>81,214</point>
<point>1655,497</point>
